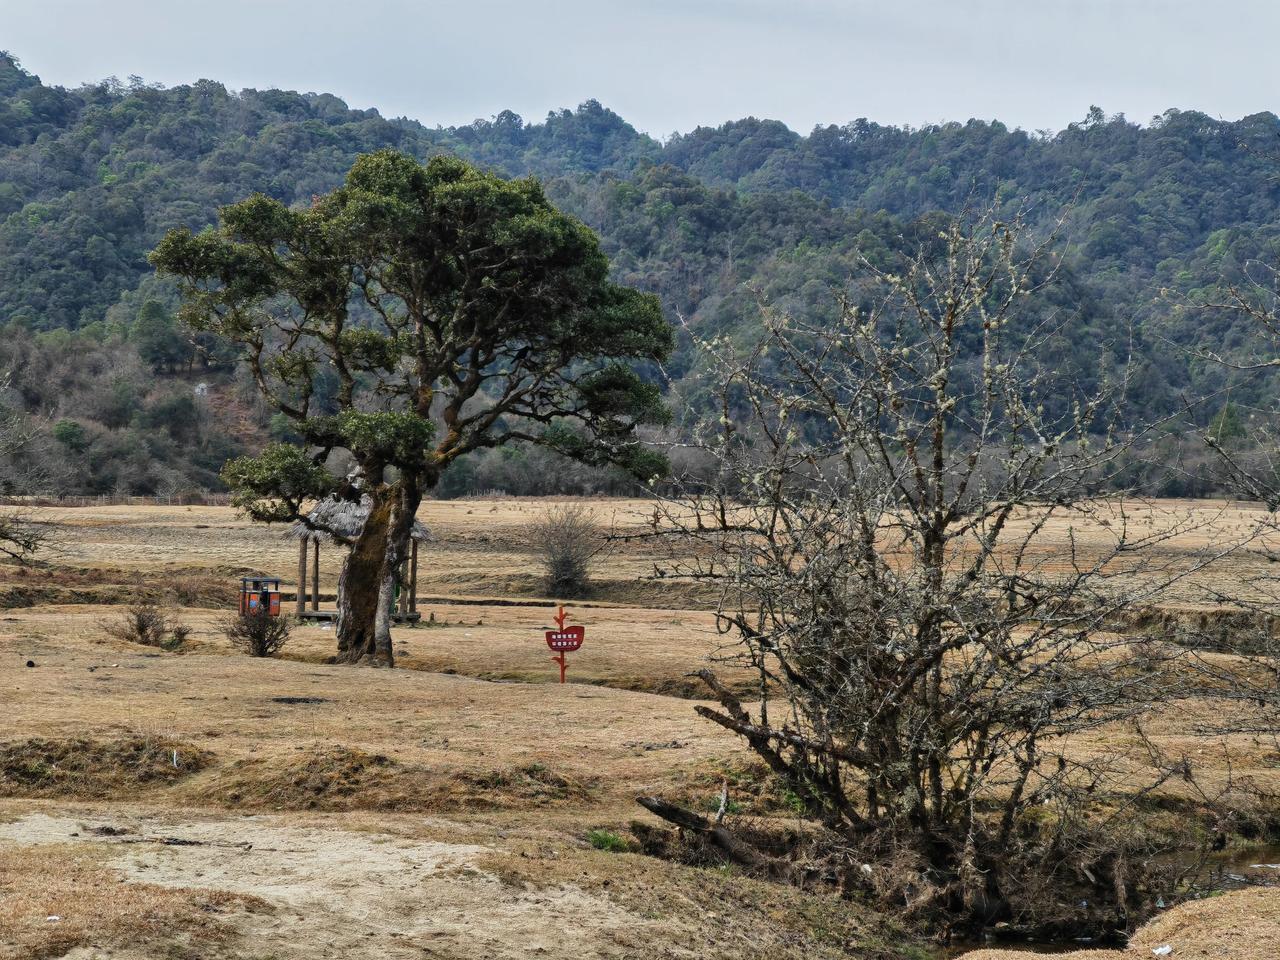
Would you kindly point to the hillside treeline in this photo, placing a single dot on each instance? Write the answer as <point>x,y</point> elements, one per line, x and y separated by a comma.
<point>1154,220</point>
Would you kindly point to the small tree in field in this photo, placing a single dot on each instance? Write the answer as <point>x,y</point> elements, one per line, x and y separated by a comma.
<point>414,314</point>
<point>925,650</point>
<point>567,541</point>
<point>258,633</point>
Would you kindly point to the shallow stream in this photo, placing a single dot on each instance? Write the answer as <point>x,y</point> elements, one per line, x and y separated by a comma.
<point>1228,870</point>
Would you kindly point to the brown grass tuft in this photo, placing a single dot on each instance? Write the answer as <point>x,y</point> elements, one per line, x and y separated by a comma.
<point>345,779</point>
<point>325,778</point>
<point>1244,925</point>
<point>95,769</point>
<point>516,786</point>
<point>195,590</point>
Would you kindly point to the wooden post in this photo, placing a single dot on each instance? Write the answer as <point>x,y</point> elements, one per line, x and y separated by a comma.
<point>302,575</point>
<point>315,578</point>
<point>413,578</point>
<point>402,607</point>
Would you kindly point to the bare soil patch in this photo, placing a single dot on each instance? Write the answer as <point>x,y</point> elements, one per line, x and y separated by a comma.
<point>434,890</point>
<point>58,897</point>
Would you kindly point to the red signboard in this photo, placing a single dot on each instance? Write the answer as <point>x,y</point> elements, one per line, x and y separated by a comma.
<point>564,639</point>
<point>570,638</point>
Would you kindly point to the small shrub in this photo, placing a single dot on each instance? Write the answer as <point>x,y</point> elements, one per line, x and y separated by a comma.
<point>258,633</point>
<point>794,802</point>
<point>608,841</point>
<point>146,623</point>
<point>567,540</point>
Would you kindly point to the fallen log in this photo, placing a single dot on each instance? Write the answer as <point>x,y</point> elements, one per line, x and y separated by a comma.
<point>737,850</point>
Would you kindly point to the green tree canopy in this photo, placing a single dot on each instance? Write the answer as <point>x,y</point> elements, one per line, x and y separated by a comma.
<point>415,314</point>
<point>156,335</point>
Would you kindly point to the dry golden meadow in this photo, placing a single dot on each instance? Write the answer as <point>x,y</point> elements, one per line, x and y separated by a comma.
<point>206,804</point>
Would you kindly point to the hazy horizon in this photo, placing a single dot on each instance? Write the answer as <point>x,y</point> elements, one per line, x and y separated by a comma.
<point>670,67</point>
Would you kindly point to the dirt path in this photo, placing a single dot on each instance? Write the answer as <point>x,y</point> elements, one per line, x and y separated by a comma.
<point>343,894</point>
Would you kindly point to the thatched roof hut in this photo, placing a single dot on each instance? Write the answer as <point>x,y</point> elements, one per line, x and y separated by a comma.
<point>344,518</point>
<point>340,521</point>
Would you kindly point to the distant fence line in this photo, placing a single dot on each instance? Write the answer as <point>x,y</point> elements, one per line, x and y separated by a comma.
<point>118,500</point>
<point>224,499</point>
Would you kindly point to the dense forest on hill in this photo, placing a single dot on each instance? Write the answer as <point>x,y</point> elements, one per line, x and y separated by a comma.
<point>1156,220</point>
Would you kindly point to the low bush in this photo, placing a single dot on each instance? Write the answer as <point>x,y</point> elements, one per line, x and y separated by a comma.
<point>147,623</point>
<point>258,633</point>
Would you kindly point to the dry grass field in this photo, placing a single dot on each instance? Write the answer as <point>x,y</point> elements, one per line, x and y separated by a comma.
<point>206,804</point>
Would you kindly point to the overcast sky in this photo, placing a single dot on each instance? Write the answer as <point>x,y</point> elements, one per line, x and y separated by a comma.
<point>671,65</point>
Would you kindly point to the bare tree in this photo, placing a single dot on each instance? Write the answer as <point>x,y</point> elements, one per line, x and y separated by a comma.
<point>567,540</point>
<point>919,561</point>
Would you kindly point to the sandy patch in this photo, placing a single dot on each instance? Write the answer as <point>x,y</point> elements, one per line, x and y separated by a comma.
<point>337,893</point>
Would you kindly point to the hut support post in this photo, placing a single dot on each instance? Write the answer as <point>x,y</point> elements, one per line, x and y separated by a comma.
<point>302,575</point>
<point>413,577</point>
<point>315,578</point>
<point>402,606</point>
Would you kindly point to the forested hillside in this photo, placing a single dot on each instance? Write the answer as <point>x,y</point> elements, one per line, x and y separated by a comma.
<point>1157,217</point>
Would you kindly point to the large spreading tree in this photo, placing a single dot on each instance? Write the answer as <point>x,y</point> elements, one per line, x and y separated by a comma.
<point>416,313</point>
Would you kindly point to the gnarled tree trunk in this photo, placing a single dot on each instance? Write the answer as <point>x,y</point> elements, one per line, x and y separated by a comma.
<point>382,624</point>
<point>405,500</point>
<point>360,587</point>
